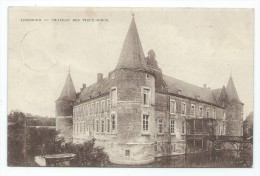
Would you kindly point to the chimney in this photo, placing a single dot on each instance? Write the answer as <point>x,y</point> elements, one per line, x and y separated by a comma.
<point>204,86</point>
<point>83,86</point>
<point>99,77</point>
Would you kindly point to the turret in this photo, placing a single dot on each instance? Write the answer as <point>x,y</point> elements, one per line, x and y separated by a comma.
<point>64,109</point>
<point>234,109</point>
<point>135,86</point>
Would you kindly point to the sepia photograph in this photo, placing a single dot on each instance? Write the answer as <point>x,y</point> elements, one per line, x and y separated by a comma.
<point>130,87</point>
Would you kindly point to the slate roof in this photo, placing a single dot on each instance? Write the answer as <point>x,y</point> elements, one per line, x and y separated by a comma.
<point>231,91</point>
<point>68,91</point>
<point>132,55</point>
<point>191,91</point>
<point>96,89</point>
<point>174,86</point>
<point>216,93</point>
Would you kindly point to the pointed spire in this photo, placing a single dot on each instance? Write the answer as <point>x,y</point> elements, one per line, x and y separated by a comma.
<point>231,90</point>
<point>132,55</point>
<point>68,91</point>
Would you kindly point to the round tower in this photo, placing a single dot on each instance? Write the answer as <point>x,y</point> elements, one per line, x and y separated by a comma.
<point>135,87</point>
<point>234,109</point>
<point>64,109</point>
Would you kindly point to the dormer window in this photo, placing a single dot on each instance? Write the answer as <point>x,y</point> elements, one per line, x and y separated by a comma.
<point>112,76</point>
<point>148,76</point>
<point>179,91</point>
<point>113,95</point>
<point>207,113</point>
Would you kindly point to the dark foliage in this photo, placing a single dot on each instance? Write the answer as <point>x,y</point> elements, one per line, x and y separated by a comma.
<point>16,155</point>
<point>40,121</point>
<point>87,154</point>
<point>26,142</point>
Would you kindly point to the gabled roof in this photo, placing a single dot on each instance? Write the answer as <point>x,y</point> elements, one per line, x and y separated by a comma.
<point>132,55</point>
<point>231,91</point>
<point>216,93</point>
<point>188,90</point>
<point>68,91</point>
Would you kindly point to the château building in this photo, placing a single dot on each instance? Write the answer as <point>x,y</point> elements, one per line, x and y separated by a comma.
<point>137,113</point>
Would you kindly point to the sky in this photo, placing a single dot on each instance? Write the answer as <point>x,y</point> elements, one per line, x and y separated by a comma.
<point>199,46</point>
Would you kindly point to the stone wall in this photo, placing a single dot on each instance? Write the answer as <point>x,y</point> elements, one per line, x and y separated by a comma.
<point>234,119</point>
<point>64,127</point>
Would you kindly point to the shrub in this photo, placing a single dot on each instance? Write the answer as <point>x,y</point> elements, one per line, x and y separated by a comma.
<point>87,154</point>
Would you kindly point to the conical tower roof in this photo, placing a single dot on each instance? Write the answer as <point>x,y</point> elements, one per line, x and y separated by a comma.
<point>132,55</point>
<point>231,91</point>
<point>68,91</point>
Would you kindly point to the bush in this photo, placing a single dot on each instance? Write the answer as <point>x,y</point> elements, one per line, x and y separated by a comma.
<point>87,154</point>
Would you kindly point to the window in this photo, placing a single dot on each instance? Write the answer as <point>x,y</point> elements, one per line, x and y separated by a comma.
<point>92,108</point>
<point>145,123</point>
<point>207,113</point>
<point>192,110</point>
<point>77,127</point>
<point>97,107</point>
<point>172,126</point>
<point>113,97</point>
<point>80,111</point>
<point>200,111</point>
<point>214,113</point>
<point>241,129</point>
<point>146,96</point>
<point>97,126</point>
<point>183,127</point>
<point>224,116</point>
<point>103,106</point>
<point>108,105</point>
<point>80,127</point>
<point>172,106</point>
<point>113,122</point>
<point>102,126</point>
<point>224,130</point>
<point>108,125</point>
<point>84,110</point>
<point>74,127</point>
<point>174,147</point>
<point>219,130</point>
<point>183,108</point>
<point>88,110</point>
<point>127,152</point>
<point>160,126</point>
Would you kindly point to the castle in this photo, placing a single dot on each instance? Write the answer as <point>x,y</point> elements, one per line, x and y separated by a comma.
<point>137,113</point>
